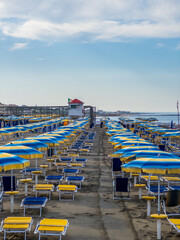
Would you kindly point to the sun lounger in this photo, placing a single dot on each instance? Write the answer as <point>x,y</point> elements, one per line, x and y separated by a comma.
<point>16,225</point>
<point>66,189</point>
<point>54,179</point>
<point>170,180</point>
<point>80,160</point>
<point>121,185</point>
<point>61,165</point>
<point>76,165</point>
<point>75,179</point>
<point>52,227</point>
<point>153,190</point>
<point>44,188</point>
<point>34,203</point>
<point>70,171</point>
<point>172,199</point>
<point>66,160</point>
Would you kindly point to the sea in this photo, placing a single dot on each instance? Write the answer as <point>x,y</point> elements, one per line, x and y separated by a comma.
<point>162,117</point>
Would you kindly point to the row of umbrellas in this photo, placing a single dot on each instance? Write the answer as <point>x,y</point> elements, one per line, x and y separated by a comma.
<point>140,155</point>
<point>16,155</point>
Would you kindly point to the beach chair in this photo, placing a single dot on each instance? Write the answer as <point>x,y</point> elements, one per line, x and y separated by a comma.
<point>116,167</point>
<point>76,165</point>
<point>34,203</point>
<point>61,165</point>
<point>75,179</point>
<point>67,190</point>
<point>153,190</point>
<point>70,171</point>
<point>54,179</point>
<point>9,183</point>
<point>172,199</point>
<point>52,227</point>
<point>16,225</point>
<point>44,188</point>
<point>121,186</point>
<point>67,160</point>
<point>81,160</point>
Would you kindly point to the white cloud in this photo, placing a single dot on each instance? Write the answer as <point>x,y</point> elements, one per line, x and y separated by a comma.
<point>110,20</point>
<point>18,46</point>
<point>178,46</point>
<point>160,45</point>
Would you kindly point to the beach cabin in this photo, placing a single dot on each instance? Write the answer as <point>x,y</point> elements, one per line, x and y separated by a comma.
<point>75,109</point>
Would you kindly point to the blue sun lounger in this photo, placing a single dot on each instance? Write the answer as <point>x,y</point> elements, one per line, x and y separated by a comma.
<point>71,171</point>
<point>34,203</point>
<point>81,160</point>
<point>154,190</point>
<point>75,179</point>
<point>66,159</point>
<point>54,179</point>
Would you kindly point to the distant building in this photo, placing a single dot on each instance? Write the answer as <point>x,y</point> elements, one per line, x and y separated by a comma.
<point>76,109</point>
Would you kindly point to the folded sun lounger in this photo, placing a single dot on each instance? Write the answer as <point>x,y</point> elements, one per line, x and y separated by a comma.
<point>34,203</point>
<point>52,227</point>
<point>16,225</point>
<point>66,189</point>
<point>44,188</point>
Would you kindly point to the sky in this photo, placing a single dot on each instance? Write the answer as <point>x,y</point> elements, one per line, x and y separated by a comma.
<point>111,54</point>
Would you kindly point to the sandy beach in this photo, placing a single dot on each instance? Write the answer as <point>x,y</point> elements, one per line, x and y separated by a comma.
<point>94,214</point>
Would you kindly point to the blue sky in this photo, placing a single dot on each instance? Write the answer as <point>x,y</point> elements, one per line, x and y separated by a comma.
<point>112,54</point>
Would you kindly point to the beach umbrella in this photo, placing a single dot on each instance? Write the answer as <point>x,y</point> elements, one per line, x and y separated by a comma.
<point>134,148</point>
<point>12,162</point>
<point>171,135</point>
<point>47,140</point>
<point>147,153</point>
<point>30,143</point>
<point>22,151</point>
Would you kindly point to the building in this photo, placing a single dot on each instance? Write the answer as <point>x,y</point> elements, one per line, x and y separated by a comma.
<point>76,109</point>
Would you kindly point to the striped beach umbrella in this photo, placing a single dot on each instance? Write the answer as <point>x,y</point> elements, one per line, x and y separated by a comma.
<point>12,162</point>
<point>156,166</point>
<point>29,143</point>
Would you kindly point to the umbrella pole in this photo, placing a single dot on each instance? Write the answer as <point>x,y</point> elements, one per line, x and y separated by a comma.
<point>149,184</point>
<point>11,180</point>
<point>12,196</point>
<point>159,205</point>
<point>36,163</point>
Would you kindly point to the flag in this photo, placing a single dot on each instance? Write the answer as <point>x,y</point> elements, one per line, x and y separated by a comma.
<point>69,100</point>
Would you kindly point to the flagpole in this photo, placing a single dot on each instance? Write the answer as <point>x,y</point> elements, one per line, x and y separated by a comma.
<point>178,112</point>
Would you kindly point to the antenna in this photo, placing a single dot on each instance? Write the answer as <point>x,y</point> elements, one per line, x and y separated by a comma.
<point>178,112</point>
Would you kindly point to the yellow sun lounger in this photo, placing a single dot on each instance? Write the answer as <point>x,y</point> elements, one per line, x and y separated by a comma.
<point>16,225</point>
<point>52,227</point>
<point>44,188</point>
<point>66,189</point>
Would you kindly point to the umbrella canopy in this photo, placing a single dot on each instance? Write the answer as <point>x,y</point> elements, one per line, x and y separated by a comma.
<point>172,135</point>
<point>148,154</point>
<point>30,143</point>
<point>10,162</point>
<point>47,140</point>
<point>22,151</point>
